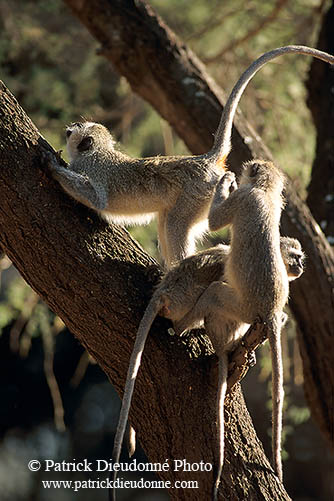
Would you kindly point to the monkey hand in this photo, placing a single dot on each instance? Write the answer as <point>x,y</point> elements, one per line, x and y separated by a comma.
<point>228,181</point>
<point>78,186</point>
<point>53,160</point>
<point>251,358</point>
<point>226,185</point>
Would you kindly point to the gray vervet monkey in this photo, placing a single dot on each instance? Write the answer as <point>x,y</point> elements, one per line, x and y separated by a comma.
<point>174,297</point>
<point>177,189</point>
<point>222,146</point>
<point>225,335</point>
<point>255,285</point>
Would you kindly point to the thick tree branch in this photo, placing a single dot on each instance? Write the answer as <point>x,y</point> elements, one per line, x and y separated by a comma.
<point>93,275</point>
<point>321,103</point>
<point>168,75</point>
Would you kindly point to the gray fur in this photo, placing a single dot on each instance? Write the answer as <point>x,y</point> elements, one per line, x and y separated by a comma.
<point>174,297</point>
<point>255,285</point>
<point>177,189</point>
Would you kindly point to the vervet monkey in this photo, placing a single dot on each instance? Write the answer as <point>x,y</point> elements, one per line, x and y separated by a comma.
<point>225,335</point>
<point>219,153</point>
<point>177,189</point>
<point>255,285</point>
<point>174,297</point>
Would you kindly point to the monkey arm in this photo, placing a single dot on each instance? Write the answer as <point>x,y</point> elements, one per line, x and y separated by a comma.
<point>225,202</point>
<point>78,186</point>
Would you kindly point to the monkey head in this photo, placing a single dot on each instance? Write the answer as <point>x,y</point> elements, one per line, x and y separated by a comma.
<point>262,174</point>
<point>293,257</point>
<point>83,138</point>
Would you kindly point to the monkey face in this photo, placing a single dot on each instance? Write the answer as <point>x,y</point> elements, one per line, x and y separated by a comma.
<point>295,264</point>
<point>293,257</point>
<point>75,133</point>
<point>84,137</point>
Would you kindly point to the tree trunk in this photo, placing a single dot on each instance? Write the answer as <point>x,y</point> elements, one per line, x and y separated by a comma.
<point>321,197</point>
<point>98,280</point>
<point>320,100</point>
<point>162,70</point>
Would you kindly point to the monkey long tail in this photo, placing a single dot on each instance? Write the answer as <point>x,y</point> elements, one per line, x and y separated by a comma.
<point>222,143</point>
<point>274,335</point>
<point>134,364</point>
<point>222,386</point>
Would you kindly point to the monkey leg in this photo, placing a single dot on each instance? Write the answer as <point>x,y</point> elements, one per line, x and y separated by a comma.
<point>162,236</point>
<point>224,333</point>
<point>178,234</point>
<point>217,299</point>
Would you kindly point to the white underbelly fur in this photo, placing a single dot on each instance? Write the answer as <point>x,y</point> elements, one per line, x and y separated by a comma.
<point>127,219</point>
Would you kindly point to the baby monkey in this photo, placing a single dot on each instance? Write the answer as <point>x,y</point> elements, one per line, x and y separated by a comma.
<point>176,189</point>
<point>174,297</point>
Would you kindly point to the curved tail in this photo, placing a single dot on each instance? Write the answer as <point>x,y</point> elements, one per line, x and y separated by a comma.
<point>134,364</point>
<point>222,386</point>
<point>222,143</point>
<point>274,335</point>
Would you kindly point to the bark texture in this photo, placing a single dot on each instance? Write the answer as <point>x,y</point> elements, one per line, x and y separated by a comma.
<point>320,198</point>
<point>99,280</point>
<point>320,86</point>
<point>162,70</point>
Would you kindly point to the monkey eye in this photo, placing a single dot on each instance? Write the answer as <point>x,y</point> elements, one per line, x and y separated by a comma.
<point>85,144</point>
<point>254,170</point>
<point>68,132</point>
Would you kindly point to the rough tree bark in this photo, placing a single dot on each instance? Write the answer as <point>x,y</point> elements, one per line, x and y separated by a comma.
<point>320,198</point>
<point>320,100</point>
<point>166,73</point>
<point>94,277</point>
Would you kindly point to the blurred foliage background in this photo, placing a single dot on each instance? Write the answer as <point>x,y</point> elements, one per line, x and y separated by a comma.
<point>49,62</point>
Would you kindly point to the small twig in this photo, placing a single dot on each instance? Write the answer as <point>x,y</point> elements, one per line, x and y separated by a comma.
<point>212,23</point>
<point>80,370</point>
<point>316,11</point>
<point>22,319</point>
<point>48,344</point>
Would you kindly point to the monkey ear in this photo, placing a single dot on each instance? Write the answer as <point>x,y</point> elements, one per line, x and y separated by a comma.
<point>85,144</point>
